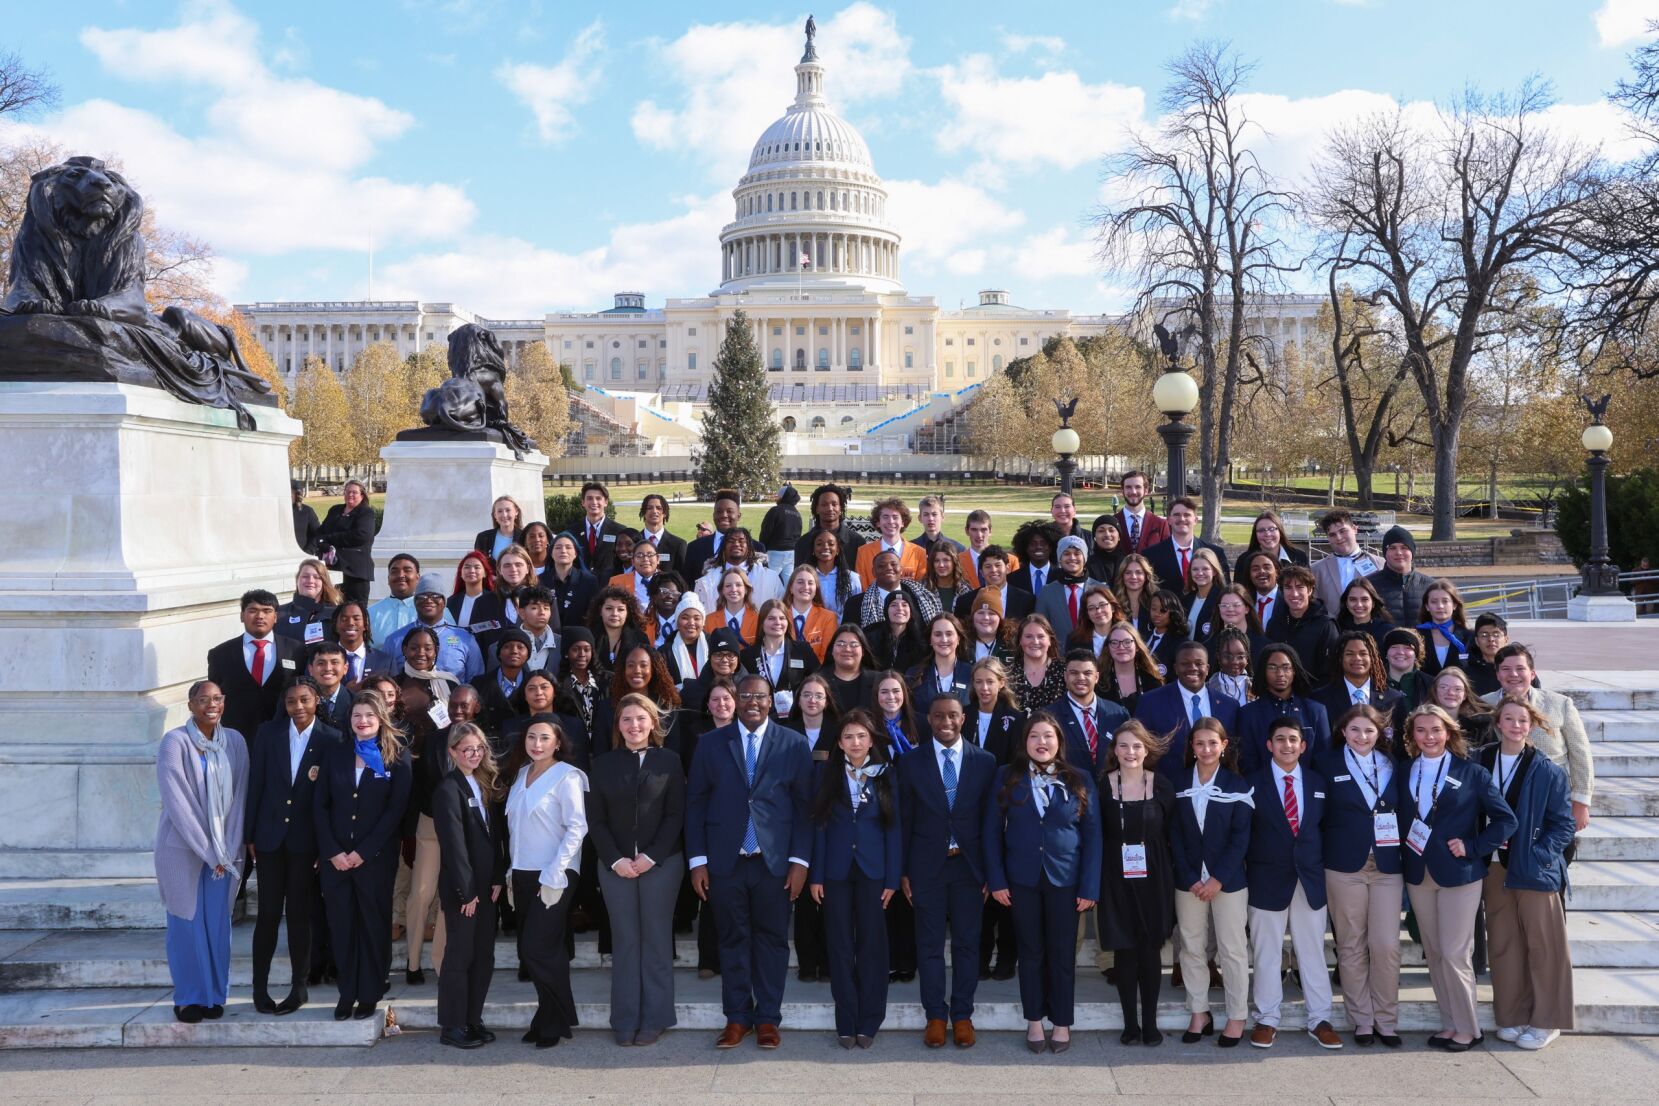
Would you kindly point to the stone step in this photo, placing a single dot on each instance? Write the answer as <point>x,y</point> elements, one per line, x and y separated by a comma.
<point>1625,759</point>
<point>1633,689</point>
<point>1610,1002</point>
<point>81,904</point>
<point>1620,839</point>
<point>76,864</point>
<point>1614,885</point>
<point>1626,798</point>
<point>91,959</point>
<point>1621,725</point>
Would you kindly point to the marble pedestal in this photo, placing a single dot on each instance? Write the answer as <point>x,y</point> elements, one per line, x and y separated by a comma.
<point>134,522</point>
<point>438,496</point>
<point>1601,608</point>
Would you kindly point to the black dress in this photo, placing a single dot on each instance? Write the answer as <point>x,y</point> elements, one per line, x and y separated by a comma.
<point>1137,912</point>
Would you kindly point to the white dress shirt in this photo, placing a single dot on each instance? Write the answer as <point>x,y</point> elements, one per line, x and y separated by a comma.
<point>463,617</point>
<point>1425,774</point>
<point>297,741</point>
<point>1362,690</point>
<point>1367,771</point>
<point>547,821</point>
<point>1295,777</point>
<point>478,799</point>
<point>1204,708</point>
<point>541,649</point>
<point>956,757</point>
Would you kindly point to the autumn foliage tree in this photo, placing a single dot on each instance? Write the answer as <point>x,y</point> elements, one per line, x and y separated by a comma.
<point>537,400</point>
<point>320,404</point>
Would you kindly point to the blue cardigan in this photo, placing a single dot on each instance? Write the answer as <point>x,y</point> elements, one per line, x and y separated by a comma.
<point>1020,847</point>
<point>1225,838</point>
<point>1469,809</point>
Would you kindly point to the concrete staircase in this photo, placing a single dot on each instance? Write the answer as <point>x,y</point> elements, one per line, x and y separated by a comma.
<point>83,962</point>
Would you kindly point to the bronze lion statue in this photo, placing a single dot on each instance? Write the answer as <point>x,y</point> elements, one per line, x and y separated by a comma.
<point>474,397</point>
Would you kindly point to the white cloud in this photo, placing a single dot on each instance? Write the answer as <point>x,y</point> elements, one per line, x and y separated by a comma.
<point>509,277</point>
<point>966,263</point>
<point>939,221</point>
<point>1041,44</point>
<point>1056,252</point>
<point>1028,122</point>
<point>273,169</point>
<point>736,79</point>
<point>551,91</point>
<point>1192,11</point>
<point>1622,21</point>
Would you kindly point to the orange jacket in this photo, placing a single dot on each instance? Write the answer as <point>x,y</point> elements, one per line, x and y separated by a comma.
<point>820,628</point>
<point>912,561</point>
<point>749,631</point>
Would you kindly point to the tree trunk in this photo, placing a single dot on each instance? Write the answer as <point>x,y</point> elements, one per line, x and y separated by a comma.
<point>1492,493</point>
<point>1362,486</point>
<point>1330,490</point>
<point>1444,512</point>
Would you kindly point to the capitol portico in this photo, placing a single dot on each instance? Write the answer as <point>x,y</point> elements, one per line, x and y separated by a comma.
<point>813,263</point>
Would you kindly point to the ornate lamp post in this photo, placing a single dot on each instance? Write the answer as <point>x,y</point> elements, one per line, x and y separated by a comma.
<point>1599,600</point>
<point>1176,394</point>
<point>1066,443</point>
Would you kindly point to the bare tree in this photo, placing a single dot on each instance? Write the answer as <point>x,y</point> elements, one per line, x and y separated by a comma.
<point>1369,369</point>
<point>23,90</point>
<point>1452,232</point>
<point>1197,233</point>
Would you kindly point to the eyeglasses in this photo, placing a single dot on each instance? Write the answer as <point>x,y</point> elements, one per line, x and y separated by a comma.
<point>1120,643</point>
<point>470,750</point>
<point>754,696</point>
<point>1279,668</point>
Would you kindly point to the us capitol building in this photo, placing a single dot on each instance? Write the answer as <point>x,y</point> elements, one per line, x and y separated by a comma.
<point>857,363</point>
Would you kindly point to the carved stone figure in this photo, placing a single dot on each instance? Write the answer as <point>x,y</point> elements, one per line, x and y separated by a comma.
<point>75,308</point>
<point>474,399</point>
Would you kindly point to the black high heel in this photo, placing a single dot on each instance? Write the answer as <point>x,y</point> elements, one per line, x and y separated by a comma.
<point>1191,1038</point>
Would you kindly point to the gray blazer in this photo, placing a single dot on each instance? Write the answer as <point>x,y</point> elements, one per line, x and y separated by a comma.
<point>183,841</point>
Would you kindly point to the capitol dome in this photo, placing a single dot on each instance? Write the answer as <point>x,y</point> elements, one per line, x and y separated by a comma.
<point>811,210</point>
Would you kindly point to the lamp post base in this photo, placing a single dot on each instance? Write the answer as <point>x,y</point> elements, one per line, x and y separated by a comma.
<point>1601,608</point>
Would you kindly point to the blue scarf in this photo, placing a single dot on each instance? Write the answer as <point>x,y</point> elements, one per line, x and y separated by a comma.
<point>901,743</point>
<point>369,750</point>
<point>1448,631</point>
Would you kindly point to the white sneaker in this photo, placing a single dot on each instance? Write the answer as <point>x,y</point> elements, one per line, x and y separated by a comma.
<point>1511,1034</point>
<point>1535,1039</point>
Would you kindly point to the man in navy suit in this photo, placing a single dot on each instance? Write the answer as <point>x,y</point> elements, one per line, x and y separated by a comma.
<point>1286,869</point>
<point>1086,720</point>
<point>944,788</point>
<point>749,837</point>
<point>1171,559</point>
<point>1172,709</point>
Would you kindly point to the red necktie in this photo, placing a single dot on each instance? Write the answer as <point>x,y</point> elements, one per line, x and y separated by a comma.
<point>593,539</point>
<point>1092,732</point>
<point>1261,609</point>
<point>1291,814</point>
<point>258,670</point>
<point>1071,602</point>
<point>1185,554</point>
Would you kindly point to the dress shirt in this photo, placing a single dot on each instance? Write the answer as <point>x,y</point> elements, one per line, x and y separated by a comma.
<point>1236,688</point>
<point>463,617</point>
<point>956,758</point>
<point>1362,690</point>
<point>1204,709</point>
<point>1086,712</point>
<point>362,655</point>
<point>1505,770</point>
<point>1425,774</point>
<point>981,650</point>
<point>1295,778</point>
<point>1372,769</point>
<point>270,654</point>
<point>389,615</point>
<point>773,663</point>
<point>542,649</point>
<point>1136,521</point>
<point>297,741</point>
<point>655,539</point>
<point>1039,577</point>
<point>1265,613</point>
<point>477,797</point>
<point>548,820</point>
<point>984,722</point>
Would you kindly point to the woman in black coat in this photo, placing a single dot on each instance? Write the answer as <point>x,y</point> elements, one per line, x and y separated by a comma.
<point>346,541</point>
<point>309,616</point>
<point>507,528</point>
<point>472,867</point>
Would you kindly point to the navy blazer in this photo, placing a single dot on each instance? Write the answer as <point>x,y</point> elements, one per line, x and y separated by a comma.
<point>1224,840</point>
<point>1108,717</point>
<point>1469,809</point>
<point>360,812</point>
<point>339,716</point>
<point>1336,699</point>
<point>930,823</point>
<point>279,810</point>
<point>1000,735</point>
<point>848,837</point>
<point>1255,725</point>
<point>1348,833</point>
<point>1277,859</point>
<point>1021,847</point>
<point>720,802</point>
<point>1163,711</point>
<point>924,687</point>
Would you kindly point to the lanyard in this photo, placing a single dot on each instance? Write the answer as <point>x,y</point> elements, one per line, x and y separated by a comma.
<point>1123,819</point>
<point>945,683</point>
<point>1434,792</point>
<point>1503,784</point>
<point>1373,781</point>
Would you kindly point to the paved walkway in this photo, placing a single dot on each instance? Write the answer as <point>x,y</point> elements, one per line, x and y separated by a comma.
<point>685,1070</point>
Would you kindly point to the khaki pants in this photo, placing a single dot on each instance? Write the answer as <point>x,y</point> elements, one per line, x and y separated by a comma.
<point>1365,913</point>
<point>1228,915</point>
<point>416,896</point>
<point>1526,943</point>
<point>1267,947</point>
<point>1446,920</point>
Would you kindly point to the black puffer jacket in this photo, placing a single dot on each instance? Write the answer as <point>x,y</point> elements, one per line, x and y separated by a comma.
<point>781,528</point>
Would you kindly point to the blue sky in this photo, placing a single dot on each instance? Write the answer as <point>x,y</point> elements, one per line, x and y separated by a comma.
<point>524,157</point>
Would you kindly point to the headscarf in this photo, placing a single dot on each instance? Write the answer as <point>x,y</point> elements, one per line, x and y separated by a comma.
<point>221,784</point>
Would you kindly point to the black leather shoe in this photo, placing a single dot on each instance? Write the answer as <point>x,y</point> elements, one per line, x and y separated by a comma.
<point>316,976</point>
<point>906,977</point>
<point>342,1010</point>
<point>1003,971</point>
<point>1366,1039</point>
<point>263,1003</point>
<point>364,1010</point>
<point>189,1015</point>
<point>1390,1040</point>
<point>415,977</point>
<point>459,1038</point>
<point>530,1037</point>
<point>214,1013</point>
<point>295,1000</point>
<point>523,974</point>
<point>481,1032</point>
<point>1131,1035</point>
<point>1152,1036</point>
<point>548,1042</point>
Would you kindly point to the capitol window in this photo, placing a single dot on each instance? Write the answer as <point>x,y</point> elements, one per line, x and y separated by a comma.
<point>855,358</point>
<point>769,201</point>
<point>643,369</point>
<point>616,368</point>
<point>847,420</point>
<point>950,368</point>
<point>642,343</point>
<point>823,330</point>
<point>587,370</point>
<point>972,370</point>
<point>800,330</point>
<point>777,360</point>
<point>789,424</point>
<point>792,198</point>
<point>691,332</point>
<point>691,362</point>
<point>909,359</point>
<point>950,341</point>
<point>1025,341</point>
<point>818,422</point>
<point>589,344</point>
<point>996,363</point>
<point>662,343</point>
<point>910,330</point>
<point>567,343</point>
<point>970,341</point>
<point>996,341</point>
<point>823,359</point>
<point>618,345</point>
<point>777,331</point>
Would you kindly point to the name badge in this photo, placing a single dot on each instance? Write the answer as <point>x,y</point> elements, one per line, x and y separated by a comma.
<point>1387,828</point>
<point>473,803</point>
<point>1341,779</point>
<point>796,662</point>
<point>782,701</point>
<point>1319,794</point>
<point>293,618</point>
<point>1134,862</point>
<point>1454,781</point>
<point>960,687</point>
<point>1418,839</point>
<point>439,713</point>
<point>484,627</point>
<point>288,664</point>
<point>664,557</point>
<point>608,538</point>
<point>313,633</point>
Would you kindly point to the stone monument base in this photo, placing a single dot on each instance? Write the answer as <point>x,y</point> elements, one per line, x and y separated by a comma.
<point>134,522</point>
<point>1601,608</point>
<point>438,496</point>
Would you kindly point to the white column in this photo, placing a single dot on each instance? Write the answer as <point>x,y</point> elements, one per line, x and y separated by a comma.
<point>875,341</point>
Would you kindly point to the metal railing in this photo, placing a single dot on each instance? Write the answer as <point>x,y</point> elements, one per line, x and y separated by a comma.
<point>1547,597</point>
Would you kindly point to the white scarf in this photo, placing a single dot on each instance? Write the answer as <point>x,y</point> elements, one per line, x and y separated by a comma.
<point>216,768</point>
<point>437,680</point>
<point>682,655</point>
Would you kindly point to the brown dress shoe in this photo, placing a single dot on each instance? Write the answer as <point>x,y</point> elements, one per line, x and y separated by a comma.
<point>1262,1036</point>
<point>1325,1035</point>
<point>934,1035</point>
<point>731,1036</point>
<point>767,1036</point>
<point>962,1032</point>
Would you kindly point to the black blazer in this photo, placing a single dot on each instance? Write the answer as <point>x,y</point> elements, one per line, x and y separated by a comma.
<point>338,716</point>
<point>1204,617</point>
<point>248,705</point>
<point>636,807</point>
<point>358,811</point>
<point>472,857</point>
<point>279,809</point>
<point>580,756</point>
<point>671,552</point>
<point>572,596</point>
<point>799,662</point>
<point>1002,734</point>
<point>485,542</point>
<point>1335,699</point>
<point>1166,564</point>
<point>602,561</point>
<point>351,536</point>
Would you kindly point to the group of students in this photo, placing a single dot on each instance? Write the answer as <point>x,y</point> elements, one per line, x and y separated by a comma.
<point>977,747</point>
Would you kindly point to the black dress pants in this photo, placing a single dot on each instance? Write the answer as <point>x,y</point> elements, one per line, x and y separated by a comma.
<point>360,924</point>
<point>286,887</point>
<point>469,965</point>
<point>542,950</point>
<point>1140,975</point>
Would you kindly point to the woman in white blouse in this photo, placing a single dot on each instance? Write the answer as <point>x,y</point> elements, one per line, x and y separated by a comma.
<point>547,819</point>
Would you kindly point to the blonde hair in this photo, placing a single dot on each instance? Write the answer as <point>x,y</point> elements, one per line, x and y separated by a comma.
<point>331,595</point>
<point>487,773</point>
<point>1456,743</point>
<point>644,703</point>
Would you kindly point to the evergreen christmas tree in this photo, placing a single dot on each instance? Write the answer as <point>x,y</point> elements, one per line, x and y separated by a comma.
<point>740,429</point>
